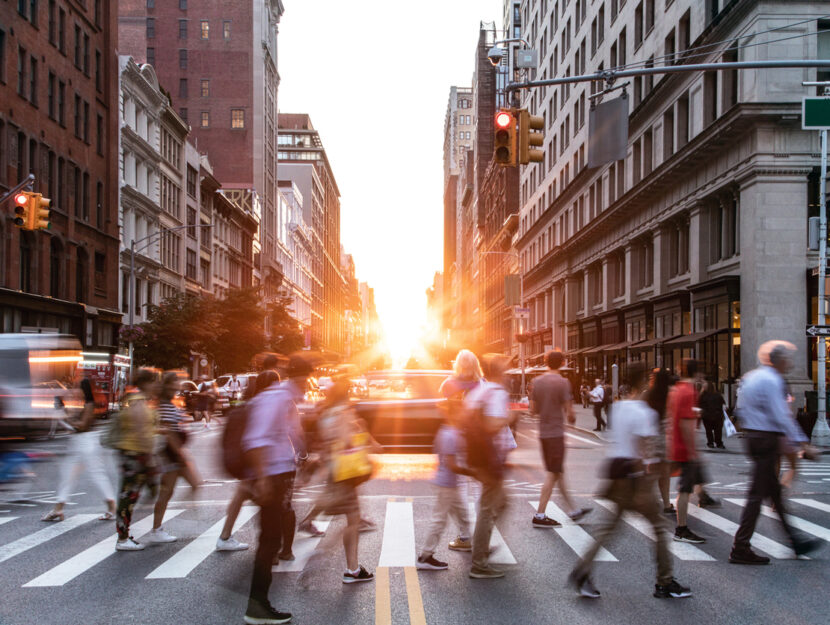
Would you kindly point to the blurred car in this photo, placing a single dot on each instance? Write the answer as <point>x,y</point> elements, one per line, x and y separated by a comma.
<point>187,396</point>
<point>401,407</point>
<point>226,397</point>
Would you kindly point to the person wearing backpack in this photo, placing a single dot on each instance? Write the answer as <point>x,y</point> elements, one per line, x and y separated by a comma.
<point>488,439</point>
<point>271,441</point>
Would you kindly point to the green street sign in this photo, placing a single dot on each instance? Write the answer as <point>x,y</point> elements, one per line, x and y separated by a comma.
<point>815,113</point>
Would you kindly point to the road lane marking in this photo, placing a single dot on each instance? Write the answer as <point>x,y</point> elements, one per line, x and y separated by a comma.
<point>499,551</point>
<point>584,440</point>
<point>574,536</point>
<point>38,538</point>
<point>383,603</point>
<point>194,553</point>
<point>684,551</point>
<point>6,519</point>
<point>812,503</point>
<point>82,562</point>
<point>413,595</point>
<point>804,526</point>
<point>398,547</point>
<point>759,541</point>
<point>303,549</point>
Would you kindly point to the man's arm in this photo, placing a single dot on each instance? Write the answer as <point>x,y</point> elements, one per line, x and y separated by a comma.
<point>782,416</point>
<point>569,412</point>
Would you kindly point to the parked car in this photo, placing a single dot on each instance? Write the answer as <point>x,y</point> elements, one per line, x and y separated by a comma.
<point>226,396</point>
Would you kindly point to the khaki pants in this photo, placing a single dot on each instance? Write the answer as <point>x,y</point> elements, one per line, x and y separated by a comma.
<point>635,495</point>
<point>490,506</point>
<point>448,503</point>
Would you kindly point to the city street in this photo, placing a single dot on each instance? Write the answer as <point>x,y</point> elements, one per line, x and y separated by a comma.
<point>69,572</point>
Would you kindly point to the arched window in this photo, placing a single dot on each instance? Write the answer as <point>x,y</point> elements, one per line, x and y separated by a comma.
<point>27,258</point>
<point>55,268</point>
<point>81,276</point>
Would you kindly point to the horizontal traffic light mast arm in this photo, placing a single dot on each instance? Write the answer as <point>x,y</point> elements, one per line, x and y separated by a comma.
<point>27,181</point>
<point>609,75</point>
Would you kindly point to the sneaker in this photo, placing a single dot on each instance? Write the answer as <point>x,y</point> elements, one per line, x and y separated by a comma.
<point>584,586</point>
<point>128,544</point>
<point>575,516</point>
<point>721,446</point>
<point>545,523</point>
<point>803,547</point>
<point>258,614</point>
<point>670,509</point>
<point>160,536</point>
<point>311,529</point>
<point>230,545</point>
<point>367,526</point>
<point>487,572</point>
<point>429,563</point>
<point>685,535</point>
<point>362,575</point>
<point>710,445</point>
<point>705,501</point>
<point>746,556</point>
<point>287,557</point>
<point>461,544</point>
<point>672,590</point>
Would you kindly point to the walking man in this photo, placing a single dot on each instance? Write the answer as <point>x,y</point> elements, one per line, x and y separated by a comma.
<point>766,417</point>
<point>551,400</point>
<point>597,396</point>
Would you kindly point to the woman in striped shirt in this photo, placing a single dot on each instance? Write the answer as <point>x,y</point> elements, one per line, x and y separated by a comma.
<point>174,458</point>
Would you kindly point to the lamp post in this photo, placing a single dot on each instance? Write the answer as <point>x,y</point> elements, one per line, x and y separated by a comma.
<point>148,240</point>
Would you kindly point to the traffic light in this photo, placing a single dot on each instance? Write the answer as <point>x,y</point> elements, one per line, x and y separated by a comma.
<point>529,139</point>
<point>505,139</point>
<point>31,211</point>
<point>40,212</point>
<point>21,209</point>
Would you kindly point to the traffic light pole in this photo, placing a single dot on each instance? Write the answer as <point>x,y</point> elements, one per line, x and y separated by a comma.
<point>27,182</point>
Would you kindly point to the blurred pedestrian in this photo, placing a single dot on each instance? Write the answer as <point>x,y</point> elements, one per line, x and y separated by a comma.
<point>137,423</point>
<point>175,460</point>
<point>766,418</point>
<point>551,400</point>
<point>272,439</point>
<point>84,451</point>
<point>597,396</point>
<point>656,396</point>
<point>607,402</point>
<point>631,488</point>
<point>711,413</point>
<point>203,403</point>
<point>584,393</point>
<point>466,376</point>
<point>235,388</point>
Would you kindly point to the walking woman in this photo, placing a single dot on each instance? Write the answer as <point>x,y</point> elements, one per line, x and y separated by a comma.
<point>175,459</point>
<point>84,452</point>
<point>656,396</point>
<point>711,412</point>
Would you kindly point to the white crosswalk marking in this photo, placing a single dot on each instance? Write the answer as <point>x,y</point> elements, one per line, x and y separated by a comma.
<point>574,536</point>
<point>37,538</point>
<point>812,503</point>
<point>303,548</point>
<point>796,522</point>
<point>6,519</point>
<point>195,552</point>
<point>684,551</point>
<point>82,562</point>
<point>759,541</point>
<point>500,552</point>
<point>398,535</point>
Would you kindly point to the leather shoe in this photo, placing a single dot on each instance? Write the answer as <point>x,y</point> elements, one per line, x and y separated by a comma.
<point>747,556</point>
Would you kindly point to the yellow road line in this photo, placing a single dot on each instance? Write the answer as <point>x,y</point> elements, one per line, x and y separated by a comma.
<point>383,603</point>
<point>413,593</point>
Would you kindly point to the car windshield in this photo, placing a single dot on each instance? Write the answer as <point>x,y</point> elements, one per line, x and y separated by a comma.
<point>404,386</point>
<point>222,380</point>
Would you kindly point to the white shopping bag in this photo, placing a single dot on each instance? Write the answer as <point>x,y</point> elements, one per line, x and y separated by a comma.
<point>728,426</point>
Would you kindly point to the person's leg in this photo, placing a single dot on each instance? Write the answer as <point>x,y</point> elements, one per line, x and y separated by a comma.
<point>239,497</point>
<point>289,520</point>
<point>270,522</point>
<point>128,495</point>
<point>351,538</point>
<point>547,490</point>
<point>71,467</point>
<point>93,452</point>
<point>709,426</point>
<point>166,487</point>
<point>664,482</point>
<point>559,480</point>
<point>718,432</point>
<point>484,524</point>
<point>761,452</point>
<point>620,498</point>
<point>647,505</point>
<point>598,416</point>
<point>460,513</point>
<point>438,520</point>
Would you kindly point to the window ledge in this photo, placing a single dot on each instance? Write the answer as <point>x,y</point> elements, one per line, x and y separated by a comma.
<point>684,277</point>
<point>724,263</point>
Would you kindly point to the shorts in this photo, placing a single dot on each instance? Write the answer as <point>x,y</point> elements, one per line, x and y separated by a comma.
<point>553,453</point>
<point>691,473</point>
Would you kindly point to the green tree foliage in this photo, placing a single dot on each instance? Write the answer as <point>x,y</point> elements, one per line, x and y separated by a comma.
<point>286,336</point>
<point>239,322</point>
<point>173,329</point>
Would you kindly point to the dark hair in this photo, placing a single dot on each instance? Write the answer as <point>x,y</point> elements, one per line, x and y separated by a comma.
<point>658,394</point>
<point>554,358</point>
<point>143,377</point>
<point>167,380</point>
<point>264,380</point>
<point>86,389</point>
<point>299,366</point>
<point>690,368</point>
<point>493,366</point>
<point>635,375</point>
<point>270,362</point>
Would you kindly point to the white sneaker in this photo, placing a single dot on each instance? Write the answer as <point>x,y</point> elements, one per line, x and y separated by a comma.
<point>230,545</point>
<point>128,544</point>
<point>160,536</point>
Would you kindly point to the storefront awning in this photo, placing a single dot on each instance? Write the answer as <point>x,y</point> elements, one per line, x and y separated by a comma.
<point>690,339</point>
<point>576,352</point>
<point>648,344</point>
<point>616,347</point>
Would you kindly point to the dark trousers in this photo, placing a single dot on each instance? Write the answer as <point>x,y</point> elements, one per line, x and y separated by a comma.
<point>598,415</point>
<point>271,518</point>
<point>714,430</point>
<point>763,448</point>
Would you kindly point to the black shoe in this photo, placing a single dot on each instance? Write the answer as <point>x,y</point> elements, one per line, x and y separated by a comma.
<point>361,576</point>
<point>429,563</point>
<point>259,614</point>
<point>803,547</point>
<point>545,523</point>
<point>720,446</point>
<point>584,586</point>
<point>746,556</point>
<point>705,501</point>
<point>710,445</point>
<point>672,590</point>
<point>597,430</point>
<point>670,509</point>
<point>685,535</point>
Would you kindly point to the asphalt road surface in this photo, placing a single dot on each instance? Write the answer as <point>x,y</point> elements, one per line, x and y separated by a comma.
<point>69,572</point>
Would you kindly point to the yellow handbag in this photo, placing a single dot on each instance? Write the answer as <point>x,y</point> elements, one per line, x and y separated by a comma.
<point>352,463</point>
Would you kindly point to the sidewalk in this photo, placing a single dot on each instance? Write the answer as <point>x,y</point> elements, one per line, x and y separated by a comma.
<point>586,423</point>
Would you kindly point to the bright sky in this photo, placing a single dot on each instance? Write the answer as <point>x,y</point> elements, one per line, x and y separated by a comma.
<point>375,75</point>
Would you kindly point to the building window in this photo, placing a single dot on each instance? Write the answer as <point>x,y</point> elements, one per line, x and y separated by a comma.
<point>151,4</point>
<point>182,59</point>
<point>78,113</point>
<point>100,272</point>
<point>53,26</point>
<point>183,5</point>
<point>679,248</point>
<point>98,83</point>
<point>99,205</point>
<point>86,55</point>
<point>191,271</point>
<point>151,28</point>
<point>182,29</point>
<point>204,29</point>
<point>205,88</point>
<point>33,80</point>
<point>81,273</point>
<point>204,121</point>
<point>62,103</point>
<point>724,229</point>
<point>21,71</point>
<point>192,181</point>
<point>50,95</point>
<point>86,122</point>
<point>26,261</point>
<point>55,264</point>
<point>151,56</point>
<point>62,31</point>
<point>237,118</point>
<point>226,29</point>
<point>182,87</point>
<point>183,114</point>
<point>99,128</point>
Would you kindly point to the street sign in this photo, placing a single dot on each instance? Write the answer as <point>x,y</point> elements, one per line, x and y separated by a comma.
<point>815,114</point>
<point>815,330</point>
<point>521,313</point>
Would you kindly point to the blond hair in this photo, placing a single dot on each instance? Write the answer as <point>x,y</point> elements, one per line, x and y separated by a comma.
<point>467,366</point>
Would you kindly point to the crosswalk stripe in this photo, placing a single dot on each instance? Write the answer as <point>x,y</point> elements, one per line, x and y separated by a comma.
<point>582,439</point>
<point>574,536</point>
<point>82,562</point>
<point>500,552</point>
<point>812,503</point>
<point>759,541</point>
<point>195,552</point>
<point>383,601</point>
<point>798,523</point>
<point>302,548</point>
<point>398,535</point>
<point>684,551</point>
<point>6,519</point>
<point>38,538</point>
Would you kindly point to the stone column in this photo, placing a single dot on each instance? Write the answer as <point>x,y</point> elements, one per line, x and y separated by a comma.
<point>660,259</point>
<point>629,274</point>
<point>586,291</point>
<point>699,253</point>
<point>606,284</point>
<point>570,309</point>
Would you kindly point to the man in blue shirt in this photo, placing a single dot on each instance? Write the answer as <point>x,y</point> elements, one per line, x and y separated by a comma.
<point>765,416</point>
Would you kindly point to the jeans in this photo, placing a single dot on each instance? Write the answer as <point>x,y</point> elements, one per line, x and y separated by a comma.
<point>271,517</point>
<point>714,430</point>
<point>490,506</point>
<point>448,503</point>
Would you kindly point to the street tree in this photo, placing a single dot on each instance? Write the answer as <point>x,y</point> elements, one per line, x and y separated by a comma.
<point>239,329</point>
<point>286,336</point>
<point>174,329</point>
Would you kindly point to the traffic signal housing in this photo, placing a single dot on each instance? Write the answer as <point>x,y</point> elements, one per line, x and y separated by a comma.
<point>530,138</point>
<point>505,144</point>
<point>31,211</point>
<point>40,212</point>
<point>21,209</point>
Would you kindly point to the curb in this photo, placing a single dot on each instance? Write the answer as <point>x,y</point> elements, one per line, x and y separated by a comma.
<point>587,432</point>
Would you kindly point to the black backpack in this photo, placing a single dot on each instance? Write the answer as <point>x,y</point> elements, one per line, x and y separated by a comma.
<point>233,459</point>
<point>482,451</point>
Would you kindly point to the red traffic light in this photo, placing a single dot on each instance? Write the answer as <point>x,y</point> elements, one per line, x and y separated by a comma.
<point>503,119</point>
<point>21,199</point>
